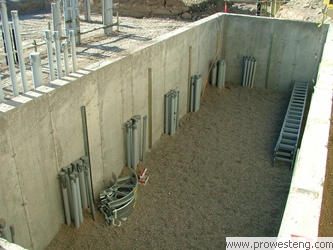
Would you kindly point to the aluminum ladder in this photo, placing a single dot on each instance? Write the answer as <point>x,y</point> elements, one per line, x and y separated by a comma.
<point>286,145</point>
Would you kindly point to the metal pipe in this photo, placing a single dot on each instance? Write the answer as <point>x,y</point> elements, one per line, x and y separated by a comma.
<point>254,72</point>
<point>36,66</point>
<point>75,200</point>
<point>87,173</point>
<point>64,47</point>
<point>250,72</point>
<point>2,96</point>
<point>177,110</point>
<point>172,116</point>
<point>18,41</point>
<point>68,171</point>
<point>48,40</point>
<point>56,40</point>
<point>73,19</point>
<point>192,95</point>
<point>138,118</point>
<point>197,92</point>
<point>244,70</point>
<point>135,146</point>
<point>144,139</point>
<point>247,71</point>
<point>87,10</point>
<point>166,114</point>
<point>107,15</point>
<point>56,17</point>
<point>224,74</point>
<point>131,143</point>
<point>63,183</point>
<point>221,74</point>
<point>67,16</point>
<point>213,74</point>
<point>12,233</point>
<point>9,49</point>
<point>73,49</point>
<point>128,144</point>
<point>79,203</point>
<point>83,190</point>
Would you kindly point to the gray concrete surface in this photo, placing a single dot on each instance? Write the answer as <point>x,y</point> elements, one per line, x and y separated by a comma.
<point>42,129</point>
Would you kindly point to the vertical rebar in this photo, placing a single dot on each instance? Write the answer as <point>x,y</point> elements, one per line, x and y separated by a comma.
<point>56,40</point>
<point>36,66</point>
<point>8,46</point>
<point>2,96</point>
<point>63,183</point>
<point>128,144</point>
<point>64,47</point>
<point>75,200</point>
<point>73,49</point>
<point>48,40</point>
<point>144,136</point>
<point>18,40</point>
<point>83,190</point>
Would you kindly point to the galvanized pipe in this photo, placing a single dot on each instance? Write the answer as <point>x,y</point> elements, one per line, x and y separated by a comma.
<point>144,139</point>
<point>87,10</point>
<point>56,17</point>
<point>197,92</point>
<point>250,71</point>
<point>2,96</point>
<point>244,70</point>
<point>64,47</point>
<point>128,144</point>
<point>177,110</point>
<point>9,49</point>
<point>79,203</point>
<point>63,182</point>
<point>68,171</point>
<point>107,15</point>
<point>254,72</point>
<point>131,142</point>
<point>36,66</point>
<point>166,114</point>
<point>135,146</point>
<point>56,40</point>
<point>73,49</point>
<point>192,95</point>
<point>213,74</point>
<point>72,178</point>
<point>48,40</point>
<point>221,74</point>
<point>83,190</point>
<point>67,16</point>
<point>18,41</point>
<point>73,15</point>
<point>138,118</point>
<point>172,112</point>
<point>85,160</point>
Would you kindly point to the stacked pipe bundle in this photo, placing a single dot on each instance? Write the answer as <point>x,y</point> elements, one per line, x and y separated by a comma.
<point>118,201</point>
<point>249,71</point>
<point>135,143</point>
<point>171,115</point>
<point>196,87</point>
<point>218,74</point>
<point>76,190</point>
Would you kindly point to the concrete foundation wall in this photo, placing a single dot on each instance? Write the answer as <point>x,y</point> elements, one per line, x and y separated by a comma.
<point>41,131</point>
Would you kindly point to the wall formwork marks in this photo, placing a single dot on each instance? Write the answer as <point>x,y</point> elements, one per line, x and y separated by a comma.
<point>41,132</point>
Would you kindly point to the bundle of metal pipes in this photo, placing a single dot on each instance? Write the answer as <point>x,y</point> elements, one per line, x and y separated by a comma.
<point>135,143</point>
<point>171,119</point>
<point>77,190</point>
<point>118,201</point>
<point>249,71</point>
<point>218,74</point>
<point>195,93</point>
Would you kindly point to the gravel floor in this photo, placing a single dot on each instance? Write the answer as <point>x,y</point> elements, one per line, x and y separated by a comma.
<point>213,179</point>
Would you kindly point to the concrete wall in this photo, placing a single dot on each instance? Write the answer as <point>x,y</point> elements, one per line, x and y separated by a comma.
<point>285,50</point>
<point>41,131</point>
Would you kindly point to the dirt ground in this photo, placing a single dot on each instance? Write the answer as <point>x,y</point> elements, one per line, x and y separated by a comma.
<point>221,184</point>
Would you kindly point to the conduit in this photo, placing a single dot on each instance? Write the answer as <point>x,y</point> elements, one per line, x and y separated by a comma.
<point>63,182</point>
<point>56,40</point>
<point>75,205</point>
<point>73,49</point>
<point>56,17</point>
<point>213,74</point>
<point>48,40</point>
<point>221,74</point>
<point>171,115</point>
<point>64,47</point>
<point>36,66</point>
<point>249,70</point>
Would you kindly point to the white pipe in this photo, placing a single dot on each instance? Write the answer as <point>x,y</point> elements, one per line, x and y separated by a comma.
<point>73,49</point>
<point>67,16</point>
<point>144,136</point>
<point>36,66</point>
<point>107,15</point>
<point>73,19</point>
<point>48,40</point>
<point>172,111</point>
<point>2,96</point>
<point>18,40</point>
<point>56,40</point>
<point>64,47</point>
<point>9,49</point>
<point>87,11</point>
<point>56,17</point>
<point>135,146</point>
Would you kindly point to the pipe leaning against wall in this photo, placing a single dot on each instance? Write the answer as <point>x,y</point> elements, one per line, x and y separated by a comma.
<point>63,182</point>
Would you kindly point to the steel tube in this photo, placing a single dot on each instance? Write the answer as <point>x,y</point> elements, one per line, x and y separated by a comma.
<point>79,203</point>
<point>172,116</point>
<point>224,73</point>
<point>75,200</point>
<point>56,40</point>
<point>221,74</point>
<point>9,49</point>
<point>135,146</point>
<point>48,40</point>
<point>177,110</point>
<point>73,49</point>
<point>36,66</point>
<point>73,19</point>
<point>213,74</point>
<point>131,143</point>
<point>2,96</point>
<point>248,71</point>
<point>56,17</point>
<point>12,233</point>
<point>67,172</point>
<point>144,139</point>
<point>254,72</point>
<point>64,47</point>
<point>244,70</point>
<point>87,10</point>
<point>107,15</point>
<point>18,41</point>
<point>85,160</point>
<point>128,144</point>
<point>63,182</point>
<point>138,117</point>
<point>197,92</point>
<point>67,16</point>
<point>166,114</point>
<point>192,95</point>
<point>83,191</point>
